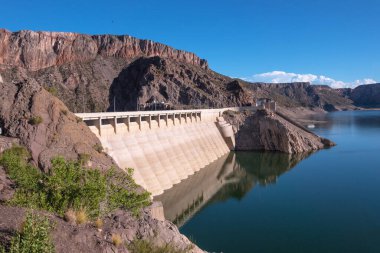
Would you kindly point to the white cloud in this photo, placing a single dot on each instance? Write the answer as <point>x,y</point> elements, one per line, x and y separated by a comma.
<point>286,77</point>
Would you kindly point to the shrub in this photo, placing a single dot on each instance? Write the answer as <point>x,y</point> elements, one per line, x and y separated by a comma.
<point>120,197</point>
<point>144,246</point>
<point>84,158</point>
<point>34,237</point>
<point>79,119</point>
<point>35,120</point>
<point>70,216</point>
<point>15,161</point>
<point>81,216</point>
<point>99,223</point>
<point>64,112</point>
<point>116,240</point>
<point>68,185</point>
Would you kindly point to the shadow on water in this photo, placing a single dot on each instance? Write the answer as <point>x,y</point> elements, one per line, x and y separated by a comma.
<point>231,176</point>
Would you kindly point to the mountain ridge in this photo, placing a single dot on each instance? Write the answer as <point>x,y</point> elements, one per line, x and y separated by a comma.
<point>56,48</point>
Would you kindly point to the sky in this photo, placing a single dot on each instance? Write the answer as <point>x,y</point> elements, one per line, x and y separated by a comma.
<point>334,42</point>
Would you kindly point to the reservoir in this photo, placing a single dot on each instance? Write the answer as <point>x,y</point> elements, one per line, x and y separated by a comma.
<point>327,201</point>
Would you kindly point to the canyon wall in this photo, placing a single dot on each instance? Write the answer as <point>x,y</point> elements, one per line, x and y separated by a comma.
<point>37,50</point>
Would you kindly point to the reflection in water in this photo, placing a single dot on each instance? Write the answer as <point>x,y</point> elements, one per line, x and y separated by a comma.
<point>232,175</point>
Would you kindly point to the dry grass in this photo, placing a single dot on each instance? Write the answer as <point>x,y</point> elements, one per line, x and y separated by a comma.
<point>81,216</point>
<point>70,216</point>
<point>116,240</point>
<point>99,223</point>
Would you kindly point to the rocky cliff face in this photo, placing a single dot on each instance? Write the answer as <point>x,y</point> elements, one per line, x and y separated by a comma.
<point>100,83</point>
<point>38,50</point>
<point>366,95</point>
<point>44,124</point>
<point>265,130</point>
<point>180,85</point>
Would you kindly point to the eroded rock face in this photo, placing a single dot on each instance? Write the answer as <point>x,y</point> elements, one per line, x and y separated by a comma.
<point>366,95</point>
<point>180,85</point>
<point>265,130</point>
<point>88,239</point>
<point>37,50</point>
<point>44,124</point>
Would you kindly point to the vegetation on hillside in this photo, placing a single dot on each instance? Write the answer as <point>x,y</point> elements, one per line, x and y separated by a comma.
<point>34,236</point>
<point>70,186</point>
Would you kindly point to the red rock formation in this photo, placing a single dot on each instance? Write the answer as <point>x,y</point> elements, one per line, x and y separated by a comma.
<point>37,50</point>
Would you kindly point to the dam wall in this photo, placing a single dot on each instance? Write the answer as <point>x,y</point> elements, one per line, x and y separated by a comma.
<point>163,147</point>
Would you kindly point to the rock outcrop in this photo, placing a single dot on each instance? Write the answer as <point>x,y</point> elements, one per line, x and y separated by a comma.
<point>178,84</point>
<point>44,124</point>
<point>366,95</point>
<point>37,50</point>
<point>88,239</point>
<point>266,130</point>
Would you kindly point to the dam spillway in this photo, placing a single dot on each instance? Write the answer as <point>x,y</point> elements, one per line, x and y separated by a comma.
<point>163,147</point>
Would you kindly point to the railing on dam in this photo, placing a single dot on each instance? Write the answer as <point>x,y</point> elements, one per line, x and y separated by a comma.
<point>149,119</point>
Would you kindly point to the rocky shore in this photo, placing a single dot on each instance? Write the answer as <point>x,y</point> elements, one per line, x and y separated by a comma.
<point>270,131</point>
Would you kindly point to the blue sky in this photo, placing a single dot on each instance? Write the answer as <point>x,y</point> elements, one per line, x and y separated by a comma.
<point>333,39</point>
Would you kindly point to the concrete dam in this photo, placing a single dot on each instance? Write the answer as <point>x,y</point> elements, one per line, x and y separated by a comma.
<point>163,147</point>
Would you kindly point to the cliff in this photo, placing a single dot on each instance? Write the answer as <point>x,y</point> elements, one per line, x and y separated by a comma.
<point>37,50</point>
<point>265,130</point>
<point>366,95</point>
<point>178,84</point>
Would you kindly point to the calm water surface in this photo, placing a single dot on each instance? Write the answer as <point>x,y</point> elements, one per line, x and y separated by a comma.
<point>328,201</point>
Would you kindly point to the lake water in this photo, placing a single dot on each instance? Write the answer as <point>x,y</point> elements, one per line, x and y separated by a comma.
<point>328,201</point>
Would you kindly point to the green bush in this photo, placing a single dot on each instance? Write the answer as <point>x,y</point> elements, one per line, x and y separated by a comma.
<point>144,246</point>
<point>34,237</point>
<point>35,120</point>
<point>70,186</point>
